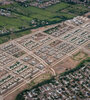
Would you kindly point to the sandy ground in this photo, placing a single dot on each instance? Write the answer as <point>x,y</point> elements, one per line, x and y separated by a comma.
<point>67,63</point>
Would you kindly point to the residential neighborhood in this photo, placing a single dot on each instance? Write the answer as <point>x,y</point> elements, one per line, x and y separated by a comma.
<point>25,58</point>
<point>44,49</point>
<point>72,86</point>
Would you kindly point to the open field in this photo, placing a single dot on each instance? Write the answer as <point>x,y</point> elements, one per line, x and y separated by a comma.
<point>64,65</point>
<point>21,18</point>
<point>13,36</point>
<point>70,62</point>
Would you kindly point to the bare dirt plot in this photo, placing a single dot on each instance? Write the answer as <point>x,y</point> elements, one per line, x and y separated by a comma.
<point>67,63</point>
<point>88,46</point>
<point>2,72</point>
<point>70,62</point>
<point>39,36</point>
<point>54,43</point>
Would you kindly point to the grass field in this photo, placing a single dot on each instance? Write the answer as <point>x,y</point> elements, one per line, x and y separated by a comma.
<point>22,16</point>
<point>13,36</point>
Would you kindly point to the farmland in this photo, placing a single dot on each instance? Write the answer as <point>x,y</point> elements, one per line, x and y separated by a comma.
<point>22,18</point>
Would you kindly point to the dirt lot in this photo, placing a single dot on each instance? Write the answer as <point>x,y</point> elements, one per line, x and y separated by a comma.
<point>67,63</point>
<point>70,62</point>
<point>88,46</point>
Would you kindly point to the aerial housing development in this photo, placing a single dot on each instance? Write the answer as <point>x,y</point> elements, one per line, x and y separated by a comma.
<point>49,62</point>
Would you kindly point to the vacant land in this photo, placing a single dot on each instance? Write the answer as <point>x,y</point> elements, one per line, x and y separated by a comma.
<point>70,62</point>
<point>64,65</point>
<point>22,18</point>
